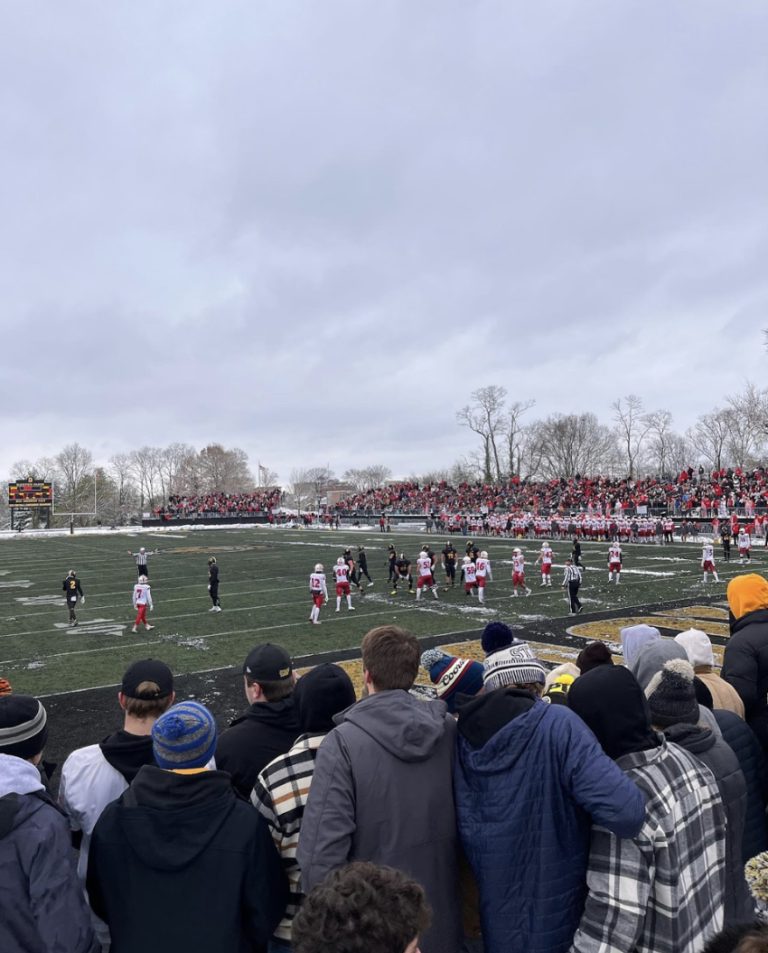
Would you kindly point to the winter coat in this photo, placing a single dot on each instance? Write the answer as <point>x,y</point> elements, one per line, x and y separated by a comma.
<point>529,780</point>
<point>744,744</point>
<point>265,731</point>
<point>723,763</point>
<point>42,908</point>
<point>96,775</point>
<point>382,792</point>
<point>745,660</point>
<point>724,696</point>
<point>179,862</point>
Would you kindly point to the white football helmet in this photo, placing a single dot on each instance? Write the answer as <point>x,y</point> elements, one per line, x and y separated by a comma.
<point>142,579</point>
<point>319,567</point>
<point>340,561</point>
<point>466,559</point>
<point>483,555</point>
<point>516,550</point>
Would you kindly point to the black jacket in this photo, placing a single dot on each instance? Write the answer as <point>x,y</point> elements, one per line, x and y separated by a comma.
<point>723,763</point>
<point>745,666</point>
<point>179,862</point>
<point>744,744</point>
<point>266,730</point>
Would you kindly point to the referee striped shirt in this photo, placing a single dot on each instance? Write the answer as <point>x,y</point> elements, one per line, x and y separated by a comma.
<point>572,574</point>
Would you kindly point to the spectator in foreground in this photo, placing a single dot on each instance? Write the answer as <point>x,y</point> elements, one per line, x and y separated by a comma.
<point>698,648</point>
<point>528,776</point>
<point>675,711</point>
<point>452,677</point>
<point>663,889</point>
<point>42,907</point>
<point>362,908</point>
<point>745,660</point>
<point>282,787</point>
<point>382,788</point>
<point>178,862</point>
<point>96,775</point>
<point>271,724</point>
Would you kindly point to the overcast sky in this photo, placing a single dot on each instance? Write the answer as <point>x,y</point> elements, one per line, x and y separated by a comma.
<point>309,228</point>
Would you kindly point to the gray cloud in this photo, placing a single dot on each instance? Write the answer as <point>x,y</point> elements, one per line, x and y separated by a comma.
<point>311,229</point>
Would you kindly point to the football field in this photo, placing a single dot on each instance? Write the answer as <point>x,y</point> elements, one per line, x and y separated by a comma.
<point>265,597</point>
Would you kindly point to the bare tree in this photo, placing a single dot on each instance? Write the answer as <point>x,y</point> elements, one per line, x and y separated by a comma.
<point>661,438</point>
<point>709,435</point>
<point>367,478</point>
<point>224,471</point>
<point>126,497</point>
<point>484,417</point>
<point>632,427</point>
<point>75,469</point>
<point>171,463</point>
<point>145,463</point>
<point>571,445</point>
<point>513,433</point>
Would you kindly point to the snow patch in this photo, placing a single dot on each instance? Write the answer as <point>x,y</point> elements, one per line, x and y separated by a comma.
<point>16,584</point>
<point>93,627</point>
<point>52,600</point>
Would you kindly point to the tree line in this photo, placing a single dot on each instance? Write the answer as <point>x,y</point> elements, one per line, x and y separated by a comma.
<point>636,442</point>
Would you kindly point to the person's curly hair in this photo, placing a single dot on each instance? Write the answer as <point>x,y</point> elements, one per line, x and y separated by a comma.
<point>361,908</point>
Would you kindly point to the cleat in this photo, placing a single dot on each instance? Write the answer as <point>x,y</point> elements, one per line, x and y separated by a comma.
<point>338,610</point>
<point>148,627</point>
<point>579,610</point>
<point>212,609</point>
<point>351,608</point>
<point>134,629</point>
<point>370,584</point>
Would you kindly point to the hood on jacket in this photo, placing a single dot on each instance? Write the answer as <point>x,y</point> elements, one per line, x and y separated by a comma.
<point>170,819</point>
<point>482,718</point>
<point>746,594</point>
<point>407,728</point>
<point>281,714</point>
<point>651,658</point>
<point>693,738</point>
<point>611,703</point>
<point>127,753</point>
<point>634,637</point>
<point>321,694</point>
<point>17,779</point>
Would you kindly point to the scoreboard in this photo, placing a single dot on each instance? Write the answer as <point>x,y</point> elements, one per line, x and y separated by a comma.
<point>30,493</point>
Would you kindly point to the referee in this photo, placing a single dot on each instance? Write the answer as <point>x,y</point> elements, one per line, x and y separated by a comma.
<point>572,580</point>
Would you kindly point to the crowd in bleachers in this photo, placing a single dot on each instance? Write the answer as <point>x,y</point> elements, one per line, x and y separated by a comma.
<point>190,506</point>
<point>690,492</point>
<point>507,806</point>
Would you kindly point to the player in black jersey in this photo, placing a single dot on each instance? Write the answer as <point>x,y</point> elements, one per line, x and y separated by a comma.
<point>362,562</point>
<point>450,556</point>
<point>72,590</point>
<point>402,573</point>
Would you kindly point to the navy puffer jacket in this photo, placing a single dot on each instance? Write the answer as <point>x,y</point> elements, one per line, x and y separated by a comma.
<point>751,759</point>
<point>529,779</point>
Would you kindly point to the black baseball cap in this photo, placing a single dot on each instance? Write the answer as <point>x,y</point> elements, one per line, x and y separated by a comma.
<point>268,663</point>
<point>148,670</point>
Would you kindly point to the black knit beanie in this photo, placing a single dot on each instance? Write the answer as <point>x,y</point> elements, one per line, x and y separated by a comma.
<point>23,726</point>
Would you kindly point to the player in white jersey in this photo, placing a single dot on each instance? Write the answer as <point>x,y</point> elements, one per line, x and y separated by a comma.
<point>424,575</point>
<point>614,563</point>
<point>545,558</point>
<point>518,573</point>
<point>745,545</point>
<point>142,600</point>
<point>341,575</point>
<point>469,571</point>
<point>708,560</point>
<point>318,590</point>
<point>483,574</point>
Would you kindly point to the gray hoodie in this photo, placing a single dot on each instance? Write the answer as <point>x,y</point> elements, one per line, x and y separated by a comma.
<point>42,907</point>
<point>382,791</point>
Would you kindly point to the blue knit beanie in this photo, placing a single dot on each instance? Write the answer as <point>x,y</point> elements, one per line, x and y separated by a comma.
<point>184,737</point>
<point>452,676</point>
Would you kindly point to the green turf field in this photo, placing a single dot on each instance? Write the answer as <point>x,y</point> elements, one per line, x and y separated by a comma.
<point>264,592</point>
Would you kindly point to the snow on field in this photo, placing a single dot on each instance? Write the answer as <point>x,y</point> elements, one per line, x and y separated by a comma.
<point>93,627</point>
<point>15,583</point>
<point>51,600</point>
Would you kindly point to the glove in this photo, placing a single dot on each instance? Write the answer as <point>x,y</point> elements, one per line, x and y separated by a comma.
<point>151,608</point>
<point>82,600</point>
<point>209,588</point>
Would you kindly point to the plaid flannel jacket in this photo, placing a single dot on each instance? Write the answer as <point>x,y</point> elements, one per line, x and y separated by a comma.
<point>280,795</point>
<point>663,891</point>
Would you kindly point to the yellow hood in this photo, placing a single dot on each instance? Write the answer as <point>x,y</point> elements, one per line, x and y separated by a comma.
<point>747,593</point>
